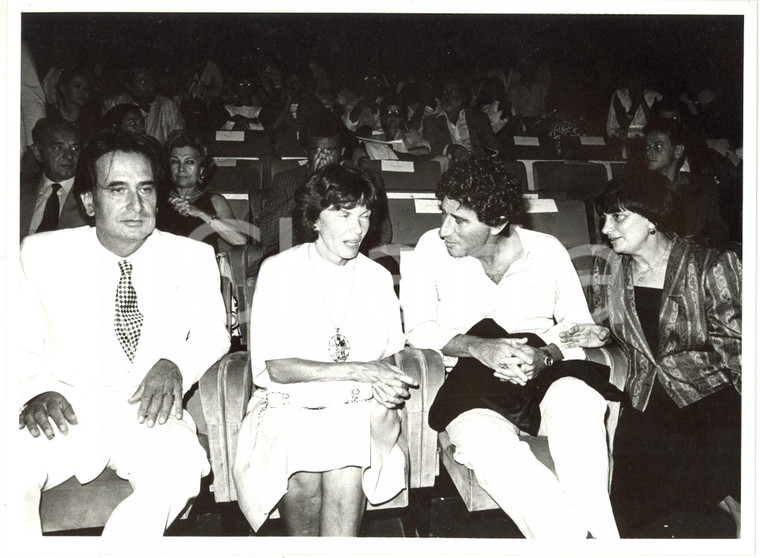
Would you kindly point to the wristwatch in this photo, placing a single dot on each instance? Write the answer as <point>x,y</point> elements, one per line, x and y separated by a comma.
<point>548,358</point>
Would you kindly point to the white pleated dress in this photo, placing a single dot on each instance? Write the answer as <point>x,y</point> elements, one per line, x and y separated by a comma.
<point>317,426</point>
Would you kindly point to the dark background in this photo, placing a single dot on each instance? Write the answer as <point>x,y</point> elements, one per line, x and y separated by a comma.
<point>588,53</point>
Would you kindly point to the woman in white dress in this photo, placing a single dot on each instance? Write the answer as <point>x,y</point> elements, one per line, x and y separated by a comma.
<point>322,433</point>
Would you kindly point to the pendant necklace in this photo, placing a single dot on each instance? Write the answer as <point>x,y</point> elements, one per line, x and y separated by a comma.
<point>338,346</point>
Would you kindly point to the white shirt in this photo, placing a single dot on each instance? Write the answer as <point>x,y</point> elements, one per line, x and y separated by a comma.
<point>460,134</point>
<point>44,192</point>
<point>636,127</point>
<point>443,296</point>
<point>163,118</point>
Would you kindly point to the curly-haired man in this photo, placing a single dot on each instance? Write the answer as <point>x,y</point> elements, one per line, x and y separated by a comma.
<point>493,298</point>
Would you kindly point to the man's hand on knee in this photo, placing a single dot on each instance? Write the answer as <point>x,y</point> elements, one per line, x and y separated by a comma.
<point>160,390</point>
<point>42,407</point>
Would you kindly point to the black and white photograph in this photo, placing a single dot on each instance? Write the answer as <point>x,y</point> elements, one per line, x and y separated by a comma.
<point>394,279</point>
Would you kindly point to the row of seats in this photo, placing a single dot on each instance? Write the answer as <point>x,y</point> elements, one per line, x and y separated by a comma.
<point>253,144</point>
<point>246,181</point>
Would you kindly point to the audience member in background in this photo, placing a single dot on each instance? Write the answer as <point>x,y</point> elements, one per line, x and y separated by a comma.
<point>630,110</point>
<point>125,117</point>
<point>46,200</point>
<point>492,100</point>
<point>676,310</point>
<point>527,95</point>
<point>190,210</point>
<point>458,132</point>
<point>322,144</point>
<point>320,105</point>
<point>281,118</point>
<point>493,298</point>
<point>162,115</point>
<point>365,111</point>
<point>32,105</point>
<point>243,113</point>
<point>119,322</point>
<point>408,144</point>
<point>321,434</point>
<point>697,196</point>
<point>698,157</point>
<point>419,99</point>
<point>74,102</point>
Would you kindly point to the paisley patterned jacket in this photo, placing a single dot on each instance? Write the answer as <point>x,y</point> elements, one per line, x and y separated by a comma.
<point>700,332</point>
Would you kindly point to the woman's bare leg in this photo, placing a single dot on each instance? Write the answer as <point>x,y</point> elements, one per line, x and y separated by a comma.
<point>343,502</point>
<point>301,505</point>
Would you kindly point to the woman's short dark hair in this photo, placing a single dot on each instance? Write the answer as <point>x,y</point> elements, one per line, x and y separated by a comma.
<point>332,187</point>
<point>115,115</point>
<point>112,141</point>
<point>650,194</point>
<point>486,187</point>
<point>181,138</point>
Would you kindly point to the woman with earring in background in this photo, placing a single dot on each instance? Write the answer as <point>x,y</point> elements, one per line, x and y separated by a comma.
<point>190,210</point>
<point>676,310</point>
<point>322,433</point>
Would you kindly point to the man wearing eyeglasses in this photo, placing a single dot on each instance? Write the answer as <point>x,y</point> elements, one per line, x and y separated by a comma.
<point>118,322</point>
<point>397,140</point>
<point>162,115</point>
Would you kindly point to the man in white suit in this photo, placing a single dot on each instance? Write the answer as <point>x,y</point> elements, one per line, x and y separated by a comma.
<point>119,321</point>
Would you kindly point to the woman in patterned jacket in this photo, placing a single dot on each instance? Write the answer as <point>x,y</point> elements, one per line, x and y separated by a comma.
<point>675,309</point>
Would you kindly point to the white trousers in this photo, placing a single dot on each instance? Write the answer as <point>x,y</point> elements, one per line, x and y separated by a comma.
<point>571,504</point>
<point>164,465</point>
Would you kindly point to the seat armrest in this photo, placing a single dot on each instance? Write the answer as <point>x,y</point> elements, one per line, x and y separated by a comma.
<point>425,366</point>
<point>615,358</point>
<point>225,390</point>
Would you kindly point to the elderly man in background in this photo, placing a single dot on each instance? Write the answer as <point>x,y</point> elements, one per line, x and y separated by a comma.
<point>46,200</point>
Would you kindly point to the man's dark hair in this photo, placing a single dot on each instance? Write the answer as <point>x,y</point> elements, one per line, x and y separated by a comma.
<point>486,187</point>
<point>332,186</point>
<point>114,116</point>
<point>648,193</point>
<point>111,141</point>
<point>323,126</point>
<point>674,129</point>
<point>46,126</point>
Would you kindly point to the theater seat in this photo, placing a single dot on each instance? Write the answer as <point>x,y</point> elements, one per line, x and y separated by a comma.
<point>229,391</point>
<point>250,144</point>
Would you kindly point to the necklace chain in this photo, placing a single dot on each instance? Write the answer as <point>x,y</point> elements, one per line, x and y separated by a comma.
<point>338,345</point>
<point>640,275</point>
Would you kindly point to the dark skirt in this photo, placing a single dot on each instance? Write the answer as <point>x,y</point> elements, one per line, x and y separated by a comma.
<point>668,458</point>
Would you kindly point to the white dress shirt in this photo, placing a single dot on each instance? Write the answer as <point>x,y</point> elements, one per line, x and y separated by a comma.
<point>443,296</point>
<point>45,190</point>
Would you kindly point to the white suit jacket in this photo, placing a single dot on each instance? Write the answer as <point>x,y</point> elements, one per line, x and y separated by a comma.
<point>68,287</point>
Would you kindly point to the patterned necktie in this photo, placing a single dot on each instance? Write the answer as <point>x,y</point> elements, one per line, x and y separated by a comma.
<point>127,319</point>
<point>52,209</point>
